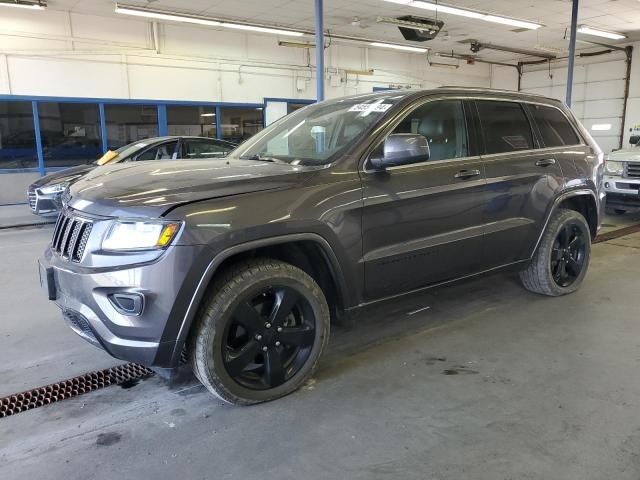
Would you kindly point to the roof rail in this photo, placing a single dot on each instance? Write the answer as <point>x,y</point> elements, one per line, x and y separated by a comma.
<point>489,90</point>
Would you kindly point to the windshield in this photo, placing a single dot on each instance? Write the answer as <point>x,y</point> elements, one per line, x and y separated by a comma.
<point>122,153</point>
<point>317,134</point>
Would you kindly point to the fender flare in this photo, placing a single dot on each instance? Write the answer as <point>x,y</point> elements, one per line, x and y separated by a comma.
<point>212,267</point>
<point>559,199</point>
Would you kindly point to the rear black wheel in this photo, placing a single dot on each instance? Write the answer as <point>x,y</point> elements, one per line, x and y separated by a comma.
<point>562,258</point>
<point>261,333</point>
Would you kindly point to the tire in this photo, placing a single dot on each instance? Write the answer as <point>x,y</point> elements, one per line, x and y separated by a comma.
<point>539,277</point>
<point>226,333</point>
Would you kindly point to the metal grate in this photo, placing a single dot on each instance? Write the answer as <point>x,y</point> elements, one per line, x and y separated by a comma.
<point>81,326</point>
<point>122,374</point>
<point>632,170</point>
<point>70,236</point>
<point>33,198</point>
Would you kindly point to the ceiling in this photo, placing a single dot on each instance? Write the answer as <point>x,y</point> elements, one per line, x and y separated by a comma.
<point>616,15</point>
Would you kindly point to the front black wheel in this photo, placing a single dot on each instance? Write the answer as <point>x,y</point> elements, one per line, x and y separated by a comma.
<point>562,258</point>
<point>260,334</point>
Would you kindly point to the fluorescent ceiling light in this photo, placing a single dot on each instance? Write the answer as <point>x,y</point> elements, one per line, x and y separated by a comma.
<point>24,4</point>
<point>207,114</point>
<point>406,48</point>
<point>512,21</point>
<point>444,65</point>
<point>600,33</point>
<point>447,9</point>
<point>601,127</point>
<point>465,12</point>
<point>166,16</point>
<point>277,31</point>
<point>286,43</point>
<point>199,20</point>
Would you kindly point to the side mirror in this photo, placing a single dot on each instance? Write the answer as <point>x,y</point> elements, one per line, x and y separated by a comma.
<point>401,149</point>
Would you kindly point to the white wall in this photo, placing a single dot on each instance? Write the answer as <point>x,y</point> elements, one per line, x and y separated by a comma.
<point>57,53</point>
<point>61,54</point>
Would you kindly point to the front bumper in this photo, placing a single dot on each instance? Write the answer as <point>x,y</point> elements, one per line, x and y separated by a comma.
<point>85,296</point>
<point>622,192</point>
<point>41,204</point>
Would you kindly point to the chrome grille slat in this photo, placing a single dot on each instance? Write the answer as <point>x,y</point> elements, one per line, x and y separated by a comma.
<point>65,237</point>
<point>33,198</point>
<point>84,238</point>
<point>70,236</point>
<point>62,229</point>
<point>632,170</point>
<point>75,231</point>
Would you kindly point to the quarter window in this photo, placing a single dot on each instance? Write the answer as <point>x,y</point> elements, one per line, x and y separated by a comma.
<point>505,126</point>
<point>442,123</point>
<point>555,129</point>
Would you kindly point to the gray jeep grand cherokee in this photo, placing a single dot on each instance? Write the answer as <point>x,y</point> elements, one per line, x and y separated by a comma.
<point>240,265</point>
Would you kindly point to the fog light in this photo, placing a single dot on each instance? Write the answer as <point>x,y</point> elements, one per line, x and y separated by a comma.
<point>606,184</point>
<point>127,303</point>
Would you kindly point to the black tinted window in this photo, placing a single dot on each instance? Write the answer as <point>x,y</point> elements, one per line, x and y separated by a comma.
<point>505,126</point>
<point>204,149</point>
<point>442,124</point>
<point>554,126</point>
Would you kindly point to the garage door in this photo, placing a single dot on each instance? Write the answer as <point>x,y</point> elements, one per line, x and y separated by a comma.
<point>598,96</point>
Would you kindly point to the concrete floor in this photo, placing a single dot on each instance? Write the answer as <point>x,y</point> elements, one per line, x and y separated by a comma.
<point>490,382</point>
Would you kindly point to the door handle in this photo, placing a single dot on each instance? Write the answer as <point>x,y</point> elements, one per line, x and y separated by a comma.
<point>462,174</point>
<point>546,162</point>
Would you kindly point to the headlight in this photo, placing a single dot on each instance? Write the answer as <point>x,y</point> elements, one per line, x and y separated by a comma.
<point>55,188</point>
<point>612,167</point>
<point>132,235</point>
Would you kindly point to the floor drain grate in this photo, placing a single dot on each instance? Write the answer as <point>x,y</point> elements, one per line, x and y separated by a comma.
<point>38,397</point>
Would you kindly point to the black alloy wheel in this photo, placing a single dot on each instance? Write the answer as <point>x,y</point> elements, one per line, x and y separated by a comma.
<point>269,338</point>
<point>568,254</point>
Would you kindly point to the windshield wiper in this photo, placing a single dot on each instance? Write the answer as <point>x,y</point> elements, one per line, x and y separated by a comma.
<point>260,158</point>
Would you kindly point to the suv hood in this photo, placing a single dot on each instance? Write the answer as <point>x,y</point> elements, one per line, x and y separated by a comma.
<point>626,155</point>
<point>149,189</point>
<point>63,176</point>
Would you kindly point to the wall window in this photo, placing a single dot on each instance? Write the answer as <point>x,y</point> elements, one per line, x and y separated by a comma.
<point>130,123</point>
<point>194,121</point>
<point>70,133</point>
<point>17,136</point>
<point>238,124</point>
<point>505,126</point>
<point>554,126</point>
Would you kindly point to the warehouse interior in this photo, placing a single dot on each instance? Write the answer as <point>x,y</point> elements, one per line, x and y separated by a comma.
<point>477,379</point>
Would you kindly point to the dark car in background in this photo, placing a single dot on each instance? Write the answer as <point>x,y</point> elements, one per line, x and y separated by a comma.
<point>44,194</point>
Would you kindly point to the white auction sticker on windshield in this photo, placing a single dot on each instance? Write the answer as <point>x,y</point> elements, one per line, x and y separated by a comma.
<point>370,107</point>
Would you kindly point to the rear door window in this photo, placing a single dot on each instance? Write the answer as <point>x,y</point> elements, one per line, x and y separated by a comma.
<point>205,149</point>
<point>164,151</point>
<point>554,127</point>
<point>505,126</point>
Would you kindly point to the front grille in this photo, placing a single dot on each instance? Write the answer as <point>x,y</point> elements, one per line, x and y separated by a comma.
<point>33,198</point>
<point>632,170</point>
<point>70,236</point>
<point>627,186</point>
